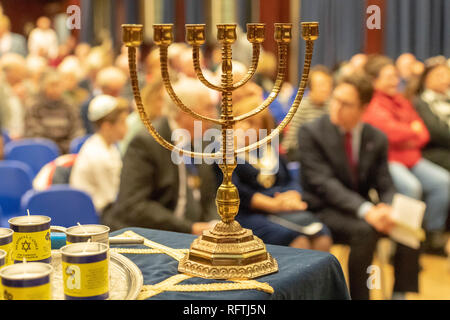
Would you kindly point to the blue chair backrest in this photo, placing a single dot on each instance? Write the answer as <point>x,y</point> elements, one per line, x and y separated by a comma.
<point>63,204</point>
<point>77,143</point>
<point>15,181</point>
<point>6,137</point>
<point>35,152</point>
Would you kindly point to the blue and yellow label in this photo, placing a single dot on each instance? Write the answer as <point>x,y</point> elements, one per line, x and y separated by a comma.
<point>33,246</point>
<point>86,280</point>
<point>36,289</point>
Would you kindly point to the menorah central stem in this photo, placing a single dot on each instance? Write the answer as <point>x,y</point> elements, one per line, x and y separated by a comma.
<point>227,199</point>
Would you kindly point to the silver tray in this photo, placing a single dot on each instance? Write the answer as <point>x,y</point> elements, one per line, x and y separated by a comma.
<point>125,278</point>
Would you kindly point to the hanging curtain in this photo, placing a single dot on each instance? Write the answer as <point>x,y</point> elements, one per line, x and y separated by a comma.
<point>341,29</point>
<point>195,11</point>
<point>87,21</point>
<point>417,26</point>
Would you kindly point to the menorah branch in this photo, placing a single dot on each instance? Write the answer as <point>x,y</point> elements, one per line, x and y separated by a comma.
<point>256,48</point>
<point>163,53</point>
<point>298,98</point>
<point>198,69</point>
<point>281,75</point>
<point>145,119</point>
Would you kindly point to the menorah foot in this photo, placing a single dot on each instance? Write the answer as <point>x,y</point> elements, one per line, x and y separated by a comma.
<point>228,252</point>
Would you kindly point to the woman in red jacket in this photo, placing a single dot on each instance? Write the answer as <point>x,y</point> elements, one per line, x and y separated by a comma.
<point>413,175</point>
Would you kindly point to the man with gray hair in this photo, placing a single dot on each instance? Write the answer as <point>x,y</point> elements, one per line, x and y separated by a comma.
<point>109,81</point>
<point>155,191</point>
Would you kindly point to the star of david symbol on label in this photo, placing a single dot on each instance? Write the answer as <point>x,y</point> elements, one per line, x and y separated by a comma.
<point>26,246</point>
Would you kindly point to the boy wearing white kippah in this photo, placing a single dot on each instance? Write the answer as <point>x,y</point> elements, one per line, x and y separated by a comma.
<point>98,165</point>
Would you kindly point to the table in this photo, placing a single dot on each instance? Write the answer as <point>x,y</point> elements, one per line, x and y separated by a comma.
<point>303,274</point>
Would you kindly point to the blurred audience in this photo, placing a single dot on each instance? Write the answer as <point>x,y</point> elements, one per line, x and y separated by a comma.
<point>70,70</point>
<point>271,202</point>
<point>432,102</point>
<point>153,102</point>
<point>156,191</point>
<point>407,134</point>
<point>409,69</point>
<point>11,94</point>
<point>9,41</point>
<point>341,159</point>
<point>42,40</point>
<point>313,106</point>
<point>98,164</point>
<point>51,117</point>
<point>109,81</point>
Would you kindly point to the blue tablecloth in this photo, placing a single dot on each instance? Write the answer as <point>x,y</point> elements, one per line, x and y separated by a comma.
<point>303,274</point>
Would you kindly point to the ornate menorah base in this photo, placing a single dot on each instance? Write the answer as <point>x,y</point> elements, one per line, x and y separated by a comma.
<point>228,252</point>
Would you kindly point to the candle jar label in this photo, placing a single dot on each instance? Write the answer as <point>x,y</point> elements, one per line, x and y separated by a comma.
<point>86,280</point>
<point>26,281</point>
<point>33,246</point>
<point>42,292</point>
<point>85,269</point>
<point>8,249</point>
<point>6,238</point>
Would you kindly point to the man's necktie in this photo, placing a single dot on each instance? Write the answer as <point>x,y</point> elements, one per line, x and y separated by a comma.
<point>351,161</point>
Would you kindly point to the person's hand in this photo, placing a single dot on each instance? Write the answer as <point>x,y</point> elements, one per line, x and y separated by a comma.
<point>380,218</point>
<point>416,126</point>
<point>199,227</point>
<point>289,201</point>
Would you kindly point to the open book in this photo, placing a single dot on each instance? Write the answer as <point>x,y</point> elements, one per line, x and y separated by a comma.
<point>408,215</point>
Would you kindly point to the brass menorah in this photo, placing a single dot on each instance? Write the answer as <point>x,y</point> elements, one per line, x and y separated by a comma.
<point>227,251</point>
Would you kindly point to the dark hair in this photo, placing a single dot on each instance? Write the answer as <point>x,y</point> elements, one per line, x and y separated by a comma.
<point>362,84</point>
<point>375,63</point>
<point>318,69</point>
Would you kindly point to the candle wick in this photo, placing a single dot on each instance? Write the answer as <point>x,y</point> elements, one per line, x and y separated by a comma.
<point>28,211</point>
<point>82,228</point>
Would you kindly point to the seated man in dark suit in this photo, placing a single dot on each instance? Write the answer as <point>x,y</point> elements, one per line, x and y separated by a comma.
<point>155,192</point>
<point>341,160</point>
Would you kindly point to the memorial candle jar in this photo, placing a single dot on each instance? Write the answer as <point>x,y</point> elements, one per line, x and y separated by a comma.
<point>31,238</point>
<point>82,233</point>
<point>27,281</point>
<point>6,239</point>
<point>85,268</point>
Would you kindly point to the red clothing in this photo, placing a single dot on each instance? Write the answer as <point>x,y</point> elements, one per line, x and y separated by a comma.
<point>394,115</point>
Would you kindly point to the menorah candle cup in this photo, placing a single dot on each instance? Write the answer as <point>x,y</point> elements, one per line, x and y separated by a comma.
<point>283,32</point>
<point>31,238</point>
<point>195,34</point>
<point>85,268</point>
<point>310,31</point>
<point>6,239</point>
<point>162,34</point>
<point>27,281</point>
<point>256,32</point>
<point>132,34</point>
<point>226,33</point>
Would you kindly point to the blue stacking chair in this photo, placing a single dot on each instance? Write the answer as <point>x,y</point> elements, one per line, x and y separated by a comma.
<point>15,180</point>
<point>35,152</point>
<point>77,143</point>
<point>63,204</point>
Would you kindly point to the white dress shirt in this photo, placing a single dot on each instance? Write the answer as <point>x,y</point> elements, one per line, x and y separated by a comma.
<point>97,171</point>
